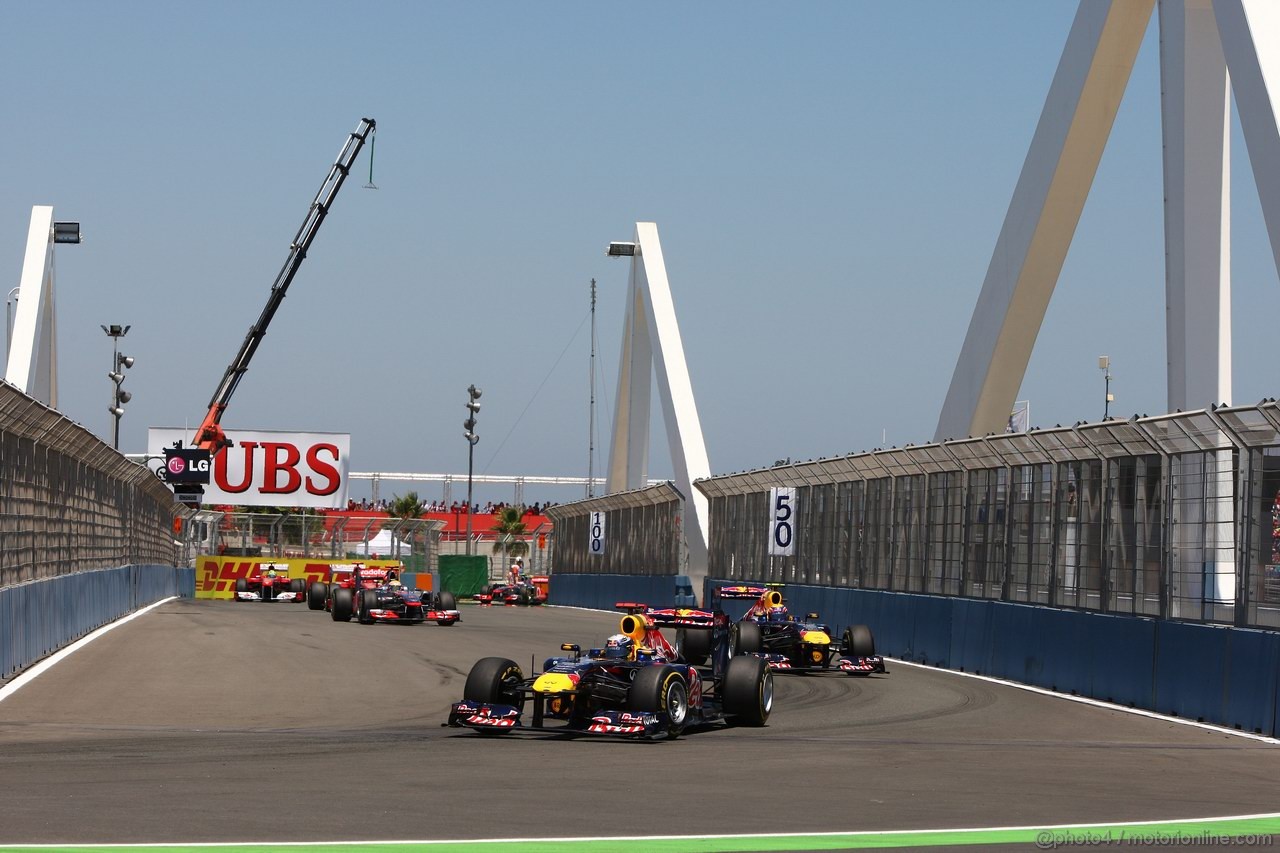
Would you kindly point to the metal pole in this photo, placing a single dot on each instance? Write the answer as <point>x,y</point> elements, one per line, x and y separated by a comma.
<point>591,421</point>
<point>115,392</point>
<point>471,455</point>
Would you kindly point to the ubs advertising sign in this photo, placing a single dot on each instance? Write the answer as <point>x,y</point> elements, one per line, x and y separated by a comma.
<point>267,468</point>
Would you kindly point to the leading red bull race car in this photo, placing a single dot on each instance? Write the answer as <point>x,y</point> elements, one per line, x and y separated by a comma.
<point>636,685</point>
<point>769,631</point>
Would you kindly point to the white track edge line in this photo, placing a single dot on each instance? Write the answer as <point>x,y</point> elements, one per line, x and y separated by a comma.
<point>27,676</point>
<point>721,837</point>
<point>1085,700</point>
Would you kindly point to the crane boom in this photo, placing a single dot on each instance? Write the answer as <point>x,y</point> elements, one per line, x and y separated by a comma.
<point>209,434</point>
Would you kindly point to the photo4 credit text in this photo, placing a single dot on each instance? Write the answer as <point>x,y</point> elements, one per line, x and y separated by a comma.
<point>272,468</point>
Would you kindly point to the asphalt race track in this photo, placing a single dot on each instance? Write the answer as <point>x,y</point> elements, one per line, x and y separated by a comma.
<point>206,721</point>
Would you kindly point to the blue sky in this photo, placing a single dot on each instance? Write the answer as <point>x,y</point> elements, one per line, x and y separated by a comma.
<point>828,180</point>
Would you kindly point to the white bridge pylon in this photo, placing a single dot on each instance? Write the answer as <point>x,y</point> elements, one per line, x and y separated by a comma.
<point>1207,47</point>
<point>32,364</point>
<point>651,344</point>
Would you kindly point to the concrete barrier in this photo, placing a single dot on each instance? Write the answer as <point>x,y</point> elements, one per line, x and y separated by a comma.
<point>38,618</point>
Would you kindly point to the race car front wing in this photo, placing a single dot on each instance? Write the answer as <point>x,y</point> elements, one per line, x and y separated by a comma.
<point>485,716</point>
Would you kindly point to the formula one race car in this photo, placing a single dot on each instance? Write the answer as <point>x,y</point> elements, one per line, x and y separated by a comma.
<point>511,594</point>
<point>376,595</point>
<point>635,686</point>
<point>270,582</point>
<point>768,631</point>
<point>320,593</point>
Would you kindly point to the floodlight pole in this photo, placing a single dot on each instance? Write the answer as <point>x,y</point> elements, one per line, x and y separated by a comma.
<point>473,394</point>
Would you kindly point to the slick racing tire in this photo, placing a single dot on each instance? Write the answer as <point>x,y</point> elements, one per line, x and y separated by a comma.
<point>745,638</point>
<point>364,605</point>
<point>343,604</point>
<point>747,692</point>
<point>242,585</point>
<point>859,642</point>
<point>446,601</point>
<point>661,690</point>
<point>316,594</point>
<point>495,681</point>
<point>298,586</point>
<point>693,646</point>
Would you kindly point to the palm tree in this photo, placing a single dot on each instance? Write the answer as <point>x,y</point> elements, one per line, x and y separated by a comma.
<point>409,506</point>
<point>510,529</point>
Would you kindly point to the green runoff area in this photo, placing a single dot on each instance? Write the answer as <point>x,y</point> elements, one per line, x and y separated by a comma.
<point>1255,831</point>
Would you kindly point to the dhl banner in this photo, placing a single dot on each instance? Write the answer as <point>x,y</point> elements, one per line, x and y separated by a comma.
<point>216,576</point>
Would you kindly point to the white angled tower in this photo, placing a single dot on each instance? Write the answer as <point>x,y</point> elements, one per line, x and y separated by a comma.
<point>651,345</point>
<point>32,364</point>
<point>1207,48</point>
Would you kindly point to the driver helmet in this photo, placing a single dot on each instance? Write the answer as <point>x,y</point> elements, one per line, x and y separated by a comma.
<point>777,614</point>
<point>271,573</point>
<point>393,583</point>
<point>619,647</point>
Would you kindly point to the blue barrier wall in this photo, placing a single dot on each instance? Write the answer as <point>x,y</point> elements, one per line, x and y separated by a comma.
<point>601,592</point>
<point>37,619</point>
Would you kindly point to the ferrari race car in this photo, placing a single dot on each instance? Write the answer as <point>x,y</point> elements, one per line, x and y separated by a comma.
<point>320,593</point>
<point>635,686</point>
<point>768,631</point>
<point>511,594</point>
<point>269,582</point>
<point>375,594</point>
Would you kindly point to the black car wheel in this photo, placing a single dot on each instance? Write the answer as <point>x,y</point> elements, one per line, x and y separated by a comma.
<point>446,601</point>
<point>693,646</point>
<point>316,594</point>
<point>859,642</point>
<point>747,691</point>
<point>368,601</point>
<point>661,690</point>
<point>242,585</point>
<point>495,681</point>
<point>342,605</point>
<point>298,586</point>
<point>745,638</point>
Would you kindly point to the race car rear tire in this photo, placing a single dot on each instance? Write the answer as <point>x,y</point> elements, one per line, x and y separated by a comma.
<point>747,692</point>
<point>316,594</point>
<point>447,601</point>
<point>363,607</point>
<point>745,638</point>
<point>694,646</point>
<point>242,585</point>
<point>661,690</point>
<point>495,681</point>
<point>858,641</point>
<point>343,604</point>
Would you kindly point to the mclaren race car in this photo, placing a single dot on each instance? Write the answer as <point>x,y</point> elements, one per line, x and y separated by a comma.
<point>511,594</point>
<point>635,686</point>
<point>377,595</point>
<point>270,582</point>
<point>768,631</point>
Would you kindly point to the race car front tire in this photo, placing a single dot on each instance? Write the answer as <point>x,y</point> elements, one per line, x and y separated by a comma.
<point>494,681</point>
<point>745,638</point>
<point>363,607</point>
<point>661,690</point>
<point>242,585</point>
<point>446,601</point>
<point>694,646</point>
<point>298,586</point>
<point>343,604</point>
<point>858,641</point>
<point>747,692</point>
<point>316,594</point>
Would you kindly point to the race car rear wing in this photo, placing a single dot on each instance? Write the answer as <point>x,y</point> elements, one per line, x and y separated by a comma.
<point>682,617</point>
<point>742,591</point>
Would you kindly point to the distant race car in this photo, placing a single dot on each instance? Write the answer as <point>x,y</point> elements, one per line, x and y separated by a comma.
<point>375,594</point>
<point>511,594</point>
<point>768,631</point>
<point>636,685</point>
<point>320,593</point>
<point>270,582</point>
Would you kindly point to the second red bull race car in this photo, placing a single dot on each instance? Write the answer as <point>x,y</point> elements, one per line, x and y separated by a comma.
<point>769,631</point>
<point>636,685</point>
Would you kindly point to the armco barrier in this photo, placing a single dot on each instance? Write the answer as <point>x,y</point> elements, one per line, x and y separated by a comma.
<point>40,617</point>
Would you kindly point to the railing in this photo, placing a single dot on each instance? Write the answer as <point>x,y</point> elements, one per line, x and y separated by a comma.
<point>70,503</point>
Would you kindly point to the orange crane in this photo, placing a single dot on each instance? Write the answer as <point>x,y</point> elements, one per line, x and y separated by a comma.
<point>209,435</point>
